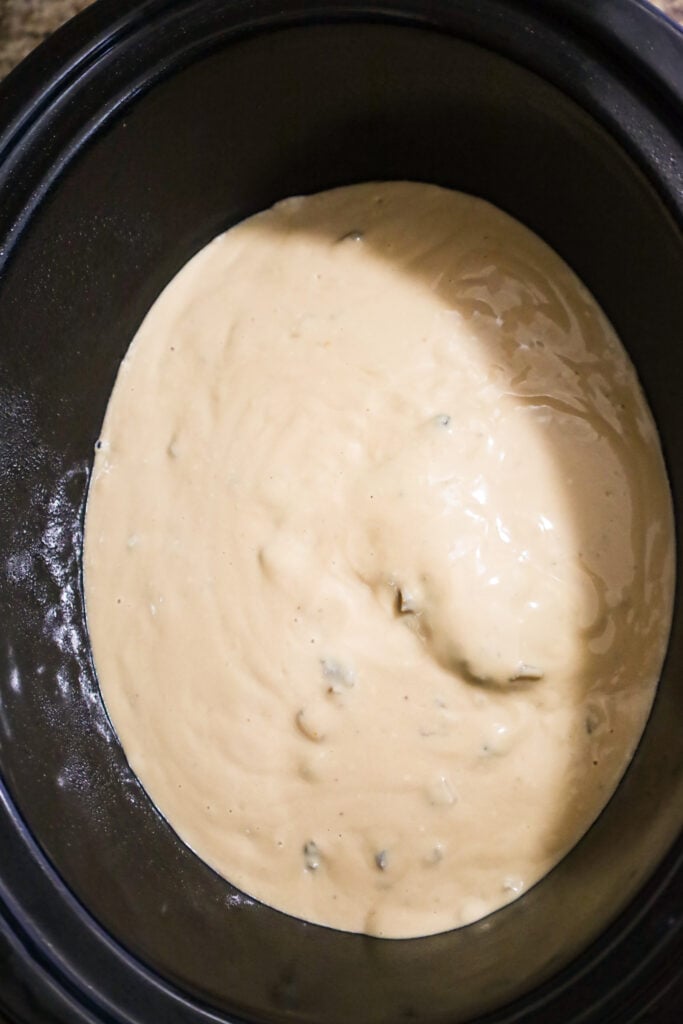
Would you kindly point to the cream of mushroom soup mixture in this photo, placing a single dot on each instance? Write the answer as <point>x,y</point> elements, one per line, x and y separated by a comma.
<point>379,558</point>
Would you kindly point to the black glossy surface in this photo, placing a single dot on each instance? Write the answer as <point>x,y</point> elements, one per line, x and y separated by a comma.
<point>215,122</point>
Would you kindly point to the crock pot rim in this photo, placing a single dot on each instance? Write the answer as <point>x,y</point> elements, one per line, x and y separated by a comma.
<point>633,35</point>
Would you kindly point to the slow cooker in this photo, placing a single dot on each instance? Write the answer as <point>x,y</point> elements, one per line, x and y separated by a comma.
<point>136,134</point>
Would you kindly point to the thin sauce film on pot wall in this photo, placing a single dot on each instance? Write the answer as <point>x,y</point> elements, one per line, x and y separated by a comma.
<point>378,558</point>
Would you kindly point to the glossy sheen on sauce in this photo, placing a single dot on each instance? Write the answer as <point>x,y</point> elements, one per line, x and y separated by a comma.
<point>378,558</point>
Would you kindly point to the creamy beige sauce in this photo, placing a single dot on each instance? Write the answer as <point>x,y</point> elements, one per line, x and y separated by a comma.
<point>378,558</point>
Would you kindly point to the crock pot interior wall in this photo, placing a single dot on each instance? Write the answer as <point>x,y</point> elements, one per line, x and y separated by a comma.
<point>278,114</point>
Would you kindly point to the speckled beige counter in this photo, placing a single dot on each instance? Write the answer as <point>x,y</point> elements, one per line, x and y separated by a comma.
<point>25,23</point>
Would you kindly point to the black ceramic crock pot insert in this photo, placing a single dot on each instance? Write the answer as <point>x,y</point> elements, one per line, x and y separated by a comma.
<point>129,140</point>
